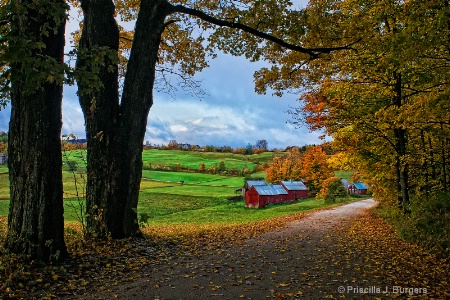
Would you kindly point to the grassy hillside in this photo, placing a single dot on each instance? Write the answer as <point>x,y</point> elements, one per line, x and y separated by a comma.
<point>192,159</point>
<point>347,175</point>
<point>168,198</point>
<point>193,178</point>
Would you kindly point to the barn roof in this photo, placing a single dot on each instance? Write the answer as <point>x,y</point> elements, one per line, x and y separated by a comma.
<point>269,190</point>
<point>360,186</point>
<point>251,183</point>
<point>294,185</point>
<point>279,189</point>
<point>345,183</point>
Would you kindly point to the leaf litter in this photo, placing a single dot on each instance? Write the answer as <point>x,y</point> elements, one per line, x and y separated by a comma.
<point>305,255</point>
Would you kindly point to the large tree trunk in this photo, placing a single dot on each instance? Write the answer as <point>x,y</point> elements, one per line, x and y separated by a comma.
<point>115,131</point>
<point>35,221</point>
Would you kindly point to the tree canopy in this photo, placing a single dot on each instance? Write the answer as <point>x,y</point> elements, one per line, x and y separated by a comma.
<point>385,103</point>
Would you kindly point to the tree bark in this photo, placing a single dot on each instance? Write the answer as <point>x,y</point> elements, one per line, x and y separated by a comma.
<point>401,146</point>
<point>115,130</point>
<point>35,221</point>
<point>425,166</point>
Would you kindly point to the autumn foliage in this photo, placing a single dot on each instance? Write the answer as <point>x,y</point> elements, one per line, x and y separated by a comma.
<point>286,167</point>
<point>311,166</point>
<point>332,188</point>
<point>315,167</point>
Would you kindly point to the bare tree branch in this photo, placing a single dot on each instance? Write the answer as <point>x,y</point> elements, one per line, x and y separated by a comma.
<point>312,52</point>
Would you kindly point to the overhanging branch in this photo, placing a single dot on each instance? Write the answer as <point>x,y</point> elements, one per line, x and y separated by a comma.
<point>312,52</point>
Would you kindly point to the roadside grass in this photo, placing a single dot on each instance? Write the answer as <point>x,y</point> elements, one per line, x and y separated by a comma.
<point>427,225</point>
<point>235,213</point>
<point>162,205</point>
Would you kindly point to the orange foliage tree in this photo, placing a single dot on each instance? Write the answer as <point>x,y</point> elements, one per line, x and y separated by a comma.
<point>286,167</point>
<point>315,167</point>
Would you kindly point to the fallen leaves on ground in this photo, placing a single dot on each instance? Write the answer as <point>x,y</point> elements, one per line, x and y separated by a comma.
<point>214,260</point>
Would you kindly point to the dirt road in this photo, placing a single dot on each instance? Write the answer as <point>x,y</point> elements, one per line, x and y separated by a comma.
<point>303,260</point>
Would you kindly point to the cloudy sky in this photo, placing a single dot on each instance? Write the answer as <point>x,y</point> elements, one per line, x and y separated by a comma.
<point>230,114</point>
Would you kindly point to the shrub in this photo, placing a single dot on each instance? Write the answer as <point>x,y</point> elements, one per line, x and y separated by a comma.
<point>428,224</point>
<point>332,188</point>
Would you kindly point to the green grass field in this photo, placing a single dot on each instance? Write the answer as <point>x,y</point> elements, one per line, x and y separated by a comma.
<point>224,212</point>
<point>347,175</point>
<point>193,159</point>
<point>165,200</point>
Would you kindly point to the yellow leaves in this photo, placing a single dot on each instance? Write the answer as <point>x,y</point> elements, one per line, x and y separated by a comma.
<point>286,167</point>
<point>339,161</point>
<point>315,168</point>
<point>214,287</point>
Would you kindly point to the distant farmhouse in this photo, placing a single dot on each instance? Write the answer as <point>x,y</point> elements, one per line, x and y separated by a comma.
<point>3,158</point>
<point>258,193</point>
<point>358,188</point>
<point>188,146</point>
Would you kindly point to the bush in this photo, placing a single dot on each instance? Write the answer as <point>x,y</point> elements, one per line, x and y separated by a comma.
<point>332,188</point>
<point>428,224</point>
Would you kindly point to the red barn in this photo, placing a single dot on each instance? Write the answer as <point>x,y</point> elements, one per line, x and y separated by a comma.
<point>357,188</point>
<point>295,189</point>
<point>260,195</point>
<point>249,183</point>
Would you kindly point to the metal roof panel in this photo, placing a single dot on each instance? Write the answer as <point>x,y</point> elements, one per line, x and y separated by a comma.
<point>251,183</point>
<point>294,185</point>
<point>270,190</point>
<point>360,186</point>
